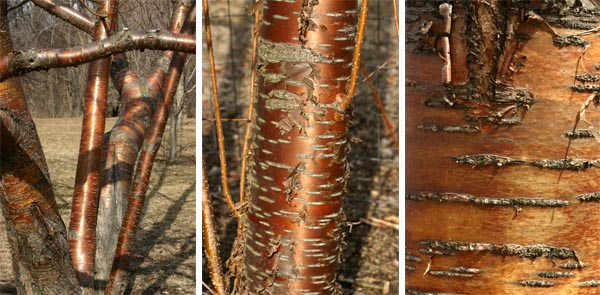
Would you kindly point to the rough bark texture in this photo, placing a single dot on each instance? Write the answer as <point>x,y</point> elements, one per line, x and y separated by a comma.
<point>297,169</point>
<point>503,210</point>
<point>36,233</point>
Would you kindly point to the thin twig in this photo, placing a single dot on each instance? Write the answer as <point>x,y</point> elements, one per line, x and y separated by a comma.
<point>82,3</point>
<point>227,119</point>
<point>215,94</point>
<point>372,221</point>
<point>356,58</point>
<point>209,236</point>
<point>257,22</point>
<point>579,61</point>
<point>211,291</point>
<point>377,69</point>
<point>388,124</point>
<point>396,17</point>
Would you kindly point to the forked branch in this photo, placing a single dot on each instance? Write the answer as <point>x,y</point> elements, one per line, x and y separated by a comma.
<point>218,124</point>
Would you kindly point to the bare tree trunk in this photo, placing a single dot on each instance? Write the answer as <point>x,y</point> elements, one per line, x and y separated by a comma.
<point>36,233</point>
<point>124,141</point>
<point>176,119</point>
<point>298,169</point>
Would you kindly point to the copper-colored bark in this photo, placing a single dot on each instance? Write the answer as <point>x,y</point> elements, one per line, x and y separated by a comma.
<point>297,170</point>
<point>215,96</point>
<point>152,141</point>
<point>252,97</point>
<point>82,227</point>
<point>35,231</point>
<point>139,98</point>
<point>209,236</point>
<point>19,62</point>
<point>547,71</point>
<point>67,14</point>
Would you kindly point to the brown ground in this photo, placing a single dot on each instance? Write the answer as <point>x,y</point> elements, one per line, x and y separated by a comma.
<point>166,260</point>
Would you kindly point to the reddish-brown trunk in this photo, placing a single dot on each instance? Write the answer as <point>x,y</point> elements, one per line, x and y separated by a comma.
<point>298,169</point>
<point>139,98</point>
<point>36,233</point>
<point>82,228</point>
<point>152,141</point>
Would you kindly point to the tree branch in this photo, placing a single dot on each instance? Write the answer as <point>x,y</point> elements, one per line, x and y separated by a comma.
<point>20,62</point>
<point>356,58</point>
<point>218,124</point>
<point>67,14</point>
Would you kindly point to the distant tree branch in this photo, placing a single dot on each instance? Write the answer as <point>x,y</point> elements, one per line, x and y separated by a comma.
<point>18,5</point>
<point>67,14</point>
<point>20,62</point>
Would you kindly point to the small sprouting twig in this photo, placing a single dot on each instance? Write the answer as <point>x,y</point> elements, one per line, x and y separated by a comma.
<point>257,22</point>
<point>218,123</point>
<point>388,124</point>
<point>356,58</point>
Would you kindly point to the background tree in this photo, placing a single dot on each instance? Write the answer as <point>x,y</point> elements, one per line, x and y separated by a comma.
<point>35,229</point>
<point>500,181</point>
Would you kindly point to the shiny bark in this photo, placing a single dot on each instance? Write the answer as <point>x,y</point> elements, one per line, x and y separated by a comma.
<point>21,62</point>
<point>125,246</point>
<point>503,210</point>
<point>82,227</point>
<point>139,98</point>
<point>67,14</point>
<point>297,168</point>
<point>36,233</point>
<point>210,238</point>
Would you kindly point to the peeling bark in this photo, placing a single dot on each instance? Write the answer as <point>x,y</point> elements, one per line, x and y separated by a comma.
<point>297,168</point>
<point>36,233</point>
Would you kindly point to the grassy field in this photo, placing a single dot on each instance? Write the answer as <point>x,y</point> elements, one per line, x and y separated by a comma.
<point>165,262</point>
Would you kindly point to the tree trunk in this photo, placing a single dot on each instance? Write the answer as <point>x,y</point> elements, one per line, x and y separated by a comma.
<point>36,233</point>
<point>498,202</point>
<point>298,169</point>
<point>176,116</point>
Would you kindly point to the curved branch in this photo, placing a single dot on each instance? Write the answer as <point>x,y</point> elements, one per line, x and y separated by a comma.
<point>20,62</point>
<point>67,14</point>
<point>356,58</point>
<point>210,238</point>
<point>218,124</point>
